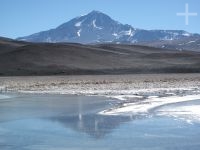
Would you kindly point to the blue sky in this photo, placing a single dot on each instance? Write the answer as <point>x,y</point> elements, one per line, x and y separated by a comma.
<point>24,17</point>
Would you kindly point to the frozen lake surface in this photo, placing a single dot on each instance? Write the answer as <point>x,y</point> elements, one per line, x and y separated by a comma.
<point>62,122</point>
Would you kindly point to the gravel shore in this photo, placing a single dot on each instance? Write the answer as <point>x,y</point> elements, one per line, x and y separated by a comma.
<point>139,84</point>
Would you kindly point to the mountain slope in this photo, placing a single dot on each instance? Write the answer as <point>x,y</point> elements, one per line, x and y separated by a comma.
<point>21,58</point>
<point>97,27</point>
<point>187,43</point>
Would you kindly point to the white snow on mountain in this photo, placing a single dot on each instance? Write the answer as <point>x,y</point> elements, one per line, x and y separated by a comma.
<point>191,42</point>
<point>129,33</point>
<point>186,34</point>
<point>167,38</point>
<point>115,34</point>
<point>79,32</point>
<point>95,26</point>
<point>78,24</point>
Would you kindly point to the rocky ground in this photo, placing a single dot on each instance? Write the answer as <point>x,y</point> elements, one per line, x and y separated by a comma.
<point>104,84</point>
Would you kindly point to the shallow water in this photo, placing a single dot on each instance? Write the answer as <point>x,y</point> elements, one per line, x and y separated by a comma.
<point>62,122</point>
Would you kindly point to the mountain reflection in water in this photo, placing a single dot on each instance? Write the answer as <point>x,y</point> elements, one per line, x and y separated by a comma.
<point>97,126</point>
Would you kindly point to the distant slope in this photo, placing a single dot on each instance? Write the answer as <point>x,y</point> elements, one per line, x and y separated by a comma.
<point>21,58</point>
<point>187,43</point>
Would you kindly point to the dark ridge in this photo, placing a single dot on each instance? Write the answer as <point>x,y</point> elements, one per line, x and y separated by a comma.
<point>23,58</point>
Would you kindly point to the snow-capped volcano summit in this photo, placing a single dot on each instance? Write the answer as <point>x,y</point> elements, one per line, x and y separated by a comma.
<point>91,28</point>
<point>97,27</point>
<point>94,27</point>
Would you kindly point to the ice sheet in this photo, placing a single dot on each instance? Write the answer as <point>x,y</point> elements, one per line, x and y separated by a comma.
<point>147,105</point>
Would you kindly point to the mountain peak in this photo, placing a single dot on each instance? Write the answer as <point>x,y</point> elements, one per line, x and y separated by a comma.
<point>95,12</point>
<point>97,27</point>
<point>97,15</point>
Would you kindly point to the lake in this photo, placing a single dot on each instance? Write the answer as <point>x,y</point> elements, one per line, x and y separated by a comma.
<point>62,122</point>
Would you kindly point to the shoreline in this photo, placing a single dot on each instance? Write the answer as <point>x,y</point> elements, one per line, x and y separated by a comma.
<point>102,84</point>
<point>136,94</point>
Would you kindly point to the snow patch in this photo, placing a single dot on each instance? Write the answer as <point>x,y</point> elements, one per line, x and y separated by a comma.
<point>79,33</point>
<point>83,15</point>
<point>95,26</point>
<point>130,33</point>
<point>78,24</point>
<point>167,38</point>
<point>186,34</point>
<point>191,42</point>
<point>115,34</point>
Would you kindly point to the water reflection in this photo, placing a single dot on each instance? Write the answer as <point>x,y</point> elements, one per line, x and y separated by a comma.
<point>97,126</point>
<point>78,113</point>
